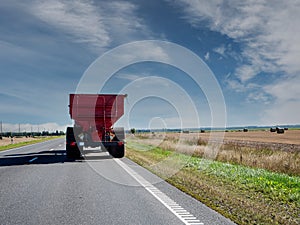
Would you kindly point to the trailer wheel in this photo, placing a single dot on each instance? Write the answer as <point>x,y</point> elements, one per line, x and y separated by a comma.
<point>68,151</point>
<point>71,151</point>
<point>117,151</point>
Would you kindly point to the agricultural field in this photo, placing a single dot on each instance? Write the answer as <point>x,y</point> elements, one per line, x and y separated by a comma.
<point>252,178</point>
<point>258,149</point>
<point>265,136</point>
<point>8,140</point>
<point>15,142</point>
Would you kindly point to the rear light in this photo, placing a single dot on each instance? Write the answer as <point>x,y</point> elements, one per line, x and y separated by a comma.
<point>73,143</point>
<point>120,143</point>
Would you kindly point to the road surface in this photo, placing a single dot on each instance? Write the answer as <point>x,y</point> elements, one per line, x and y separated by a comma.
<point>39,185</point>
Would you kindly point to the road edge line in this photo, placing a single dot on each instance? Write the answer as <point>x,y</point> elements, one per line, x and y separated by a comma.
<point>170,204</point>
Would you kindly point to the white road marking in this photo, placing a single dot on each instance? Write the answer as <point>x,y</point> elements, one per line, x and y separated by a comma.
<point>31,160</point>
<point>182,214</point>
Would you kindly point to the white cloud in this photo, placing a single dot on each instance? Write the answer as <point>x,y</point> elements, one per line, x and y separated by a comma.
<point>286,106</point>
<point>78,18</point>
<point>128,76</point>
<point>97,24</point>
<point>269,37</point>
<point>257,96</point>
<point>237,86</point>
<point>220,50</point>
<point>246,72</point>
<point>147,50</point>
<point>267,30</point>
<point>282,113</point>
<point>122,22</point>
<point>206,57</point>
<point>285,90</point>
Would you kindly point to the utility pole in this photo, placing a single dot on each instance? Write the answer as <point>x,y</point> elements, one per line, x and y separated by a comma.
<point>1,127</point>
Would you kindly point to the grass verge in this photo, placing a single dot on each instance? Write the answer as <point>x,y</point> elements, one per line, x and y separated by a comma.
<point>245,195</point>
<point>20,144</point>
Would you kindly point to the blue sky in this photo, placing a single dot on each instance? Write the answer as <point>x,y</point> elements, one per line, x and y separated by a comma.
<point>252,47</point>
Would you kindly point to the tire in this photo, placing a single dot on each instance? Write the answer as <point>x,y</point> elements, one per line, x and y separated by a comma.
<point>68,151</point>
<point>117,151</point>
<point>71,152</point>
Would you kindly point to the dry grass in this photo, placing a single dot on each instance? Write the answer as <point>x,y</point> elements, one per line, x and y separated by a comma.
<point>7,141</point>
<point>261,157</point>
<point>273,156</point>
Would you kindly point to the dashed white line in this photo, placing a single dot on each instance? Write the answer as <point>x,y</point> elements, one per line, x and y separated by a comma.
<point>182,214</point>
<point>31,160</point>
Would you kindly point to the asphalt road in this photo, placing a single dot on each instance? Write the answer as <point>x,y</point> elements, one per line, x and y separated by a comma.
<point>39,185</point>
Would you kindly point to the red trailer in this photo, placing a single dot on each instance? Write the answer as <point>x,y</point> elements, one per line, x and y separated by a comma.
<point>94,116</point>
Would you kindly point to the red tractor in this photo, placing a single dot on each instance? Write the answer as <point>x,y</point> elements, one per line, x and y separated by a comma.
<point>94,116</point>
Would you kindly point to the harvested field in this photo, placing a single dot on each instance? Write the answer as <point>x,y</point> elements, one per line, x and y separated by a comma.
<point>289,137</point>
<point>7,141</point>
<point>289,141</point>
<point>257,149</point>
<point>263,136</point>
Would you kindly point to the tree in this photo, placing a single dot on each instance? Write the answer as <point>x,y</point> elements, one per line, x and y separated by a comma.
<point>132,130</point>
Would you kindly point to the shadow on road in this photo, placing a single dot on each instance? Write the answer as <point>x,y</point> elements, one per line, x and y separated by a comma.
<point>45,157</point>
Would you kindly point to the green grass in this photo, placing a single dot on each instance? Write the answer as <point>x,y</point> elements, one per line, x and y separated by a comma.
<point>275,186</point>
<point>245,195</point>
<point>17,145</point>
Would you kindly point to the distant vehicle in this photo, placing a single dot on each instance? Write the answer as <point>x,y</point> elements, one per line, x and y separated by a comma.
<point>94,116</point>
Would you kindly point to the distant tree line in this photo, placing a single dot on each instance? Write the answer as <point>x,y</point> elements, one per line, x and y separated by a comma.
<point>32,134</point>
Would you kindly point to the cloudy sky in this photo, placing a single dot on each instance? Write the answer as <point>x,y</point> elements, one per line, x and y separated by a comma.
<point>252,47</point>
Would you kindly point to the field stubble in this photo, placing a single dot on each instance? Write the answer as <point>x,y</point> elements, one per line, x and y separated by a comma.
<point>258,149</point>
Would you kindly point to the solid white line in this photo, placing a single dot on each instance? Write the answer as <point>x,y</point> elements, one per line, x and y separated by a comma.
<point>31,160</point>
<point>159,195</point>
